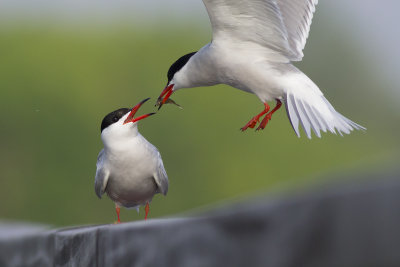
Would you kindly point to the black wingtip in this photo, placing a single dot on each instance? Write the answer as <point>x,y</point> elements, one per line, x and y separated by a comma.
<point>145,100</point>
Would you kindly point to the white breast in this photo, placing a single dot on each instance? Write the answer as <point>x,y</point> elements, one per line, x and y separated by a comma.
<point>132,169</point>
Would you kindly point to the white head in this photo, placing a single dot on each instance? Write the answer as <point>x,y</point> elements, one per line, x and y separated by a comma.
<point>177,79</point>
<point>120,125</point>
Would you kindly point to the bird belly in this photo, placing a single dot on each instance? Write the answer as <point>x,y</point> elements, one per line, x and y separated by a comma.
<point>131,191</point>
<point>263,82</point>
<point>247,69</point>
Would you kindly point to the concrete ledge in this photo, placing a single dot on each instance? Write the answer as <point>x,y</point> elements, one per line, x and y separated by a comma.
<point>354,224</point>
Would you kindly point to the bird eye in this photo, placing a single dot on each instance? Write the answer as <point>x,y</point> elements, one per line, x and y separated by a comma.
<point>115,119</point>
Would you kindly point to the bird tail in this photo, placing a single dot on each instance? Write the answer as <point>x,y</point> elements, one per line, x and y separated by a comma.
<point>305,104</point>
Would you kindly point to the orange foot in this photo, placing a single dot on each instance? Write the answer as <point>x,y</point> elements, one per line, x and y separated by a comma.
<point>117,209</point>
<point>264,122</point>
<point>146,209</point>
<point>252,123</point>
<point>268,117</point>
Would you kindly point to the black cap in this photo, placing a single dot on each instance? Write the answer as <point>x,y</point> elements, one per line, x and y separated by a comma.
<point>113,117</point>
<point>178,65</point>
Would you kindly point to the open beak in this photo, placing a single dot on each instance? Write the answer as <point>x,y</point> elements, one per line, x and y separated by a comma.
<point>164,96</point>
<point>131,115</point>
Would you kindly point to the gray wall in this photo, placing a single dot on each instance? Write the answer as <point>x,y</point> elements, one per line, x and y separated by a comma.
<point>355,224</point>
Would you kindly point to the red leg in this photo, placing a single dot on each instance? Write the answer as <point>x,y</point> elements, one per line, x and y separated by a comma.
<point>118,209</point>
<point>146,209</point>
<point>252,123</point>
<point>269,115</point>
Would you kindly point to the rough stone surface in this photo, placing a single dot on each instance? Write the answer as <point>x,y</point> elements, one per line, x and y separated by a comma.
<point>355,224</point>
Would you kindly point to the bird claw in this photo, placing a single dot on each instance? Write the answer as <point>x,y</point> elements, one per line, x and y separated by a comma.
<point>251,124</point>
<point>264,122</point>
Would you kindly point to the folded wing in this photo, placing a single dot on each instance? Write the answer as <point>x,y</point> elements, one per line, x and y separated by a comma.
<point>100,182</point>
<point>161,177</point>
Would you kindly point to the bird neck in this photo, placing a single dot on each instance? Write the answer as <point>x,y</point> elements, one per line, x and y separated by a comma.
<point>198,71</point>
<point>122,140</point>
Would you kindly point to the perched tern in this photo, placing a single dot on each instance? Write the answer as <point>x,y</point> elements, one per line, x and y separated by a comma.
<point>129,169</point>
<point>253,45</point>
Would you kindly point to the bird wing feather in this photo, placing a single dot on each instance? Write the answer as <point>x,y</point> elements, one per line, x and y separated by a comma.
<point>278,25</point>
<point>161,177</point>
<point>297,16</point>
<point>102,175</point>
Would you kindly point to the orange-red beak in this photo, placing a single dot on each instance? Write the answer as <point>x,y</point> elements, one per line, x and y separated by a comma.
<point>165,94</point>
<point>131,115</point>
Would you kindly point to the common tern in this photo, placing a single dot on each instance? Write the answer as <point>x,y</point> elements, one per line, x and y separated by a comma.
<point>253,45</point>
<point>129,168</point>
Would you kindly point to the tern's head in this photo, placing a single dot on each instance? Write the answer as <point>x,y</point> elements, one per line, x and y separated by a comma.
<point>121,123</point>
<point>177,78</point>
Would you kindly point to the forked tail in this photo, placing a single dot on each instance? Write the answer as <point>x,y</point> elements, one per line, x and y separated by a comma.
<point>312,110</point>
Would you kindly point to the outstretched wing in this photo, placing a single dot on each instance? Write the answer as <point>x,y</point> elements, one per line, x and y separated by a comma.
<point>297,16</point>
<point>102,175</point>
<point>161,177</point>
<point>279,25</point>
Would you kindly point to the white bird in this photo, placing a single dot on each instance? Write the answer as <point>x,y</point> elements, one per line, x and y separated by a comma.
<point>253,45</point>
<point>129,168</point>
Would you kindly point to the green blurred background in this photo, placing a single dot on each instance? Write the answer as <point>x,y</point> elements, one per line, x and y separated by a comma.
<point>58,81</point>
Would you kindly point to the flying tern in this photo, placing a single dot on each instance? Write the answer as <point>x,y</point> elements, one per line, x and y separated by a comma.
<point>253,45</point>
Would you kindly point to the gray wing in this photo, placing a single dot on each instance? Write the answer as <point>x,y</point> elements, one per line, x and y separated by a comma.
<point>102,175</point>
<point>161,177</point>
<point>278,25</point>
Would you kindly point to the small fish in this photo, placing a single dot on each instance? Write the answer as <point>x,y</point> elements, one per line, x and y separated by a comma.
<point>169,101</point>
